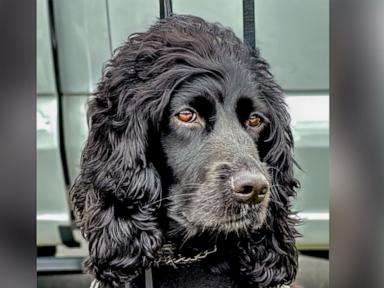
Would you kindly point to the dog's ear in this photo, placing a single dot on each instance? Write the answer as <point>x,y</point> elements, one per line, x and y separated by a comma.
<point>117,192</point>
<point>270,256</point>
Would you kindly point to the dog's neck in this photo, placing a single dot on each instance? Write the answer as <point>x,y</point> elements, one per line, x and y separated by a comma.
<point>182,247</point>
<point>184,238</point>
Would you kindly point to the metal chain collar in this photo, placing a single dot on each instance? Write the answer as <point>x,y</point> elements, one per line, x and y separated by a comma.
<point>166,256</point>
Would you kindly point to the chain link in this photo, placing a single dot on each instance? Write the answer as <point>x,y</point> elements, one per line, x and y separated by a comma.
<point>167,257</point>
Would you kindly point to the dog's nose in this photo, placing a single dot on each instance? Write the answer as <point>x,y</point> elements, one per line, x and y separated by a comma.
<point>249,188</point>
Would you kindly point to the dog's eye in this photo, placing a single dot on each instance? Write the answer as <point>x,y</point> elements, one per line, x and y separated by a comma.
<point>186,116</point>
<point>254,120</point>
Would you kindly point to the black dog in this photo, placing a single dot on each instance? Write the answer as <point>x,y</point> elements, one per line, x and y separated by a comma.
<point>188,160</point>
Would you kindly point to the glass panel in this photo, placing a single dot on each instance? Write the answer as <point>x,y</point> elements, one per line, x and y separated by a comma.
<point>75,130</point>
<point>310,123</point>
<point>130,16</point>
<point>52,204</point>
<point>227,12</point>
<point>293,36</point>
<point>83,41</point>
<point>44,64</point>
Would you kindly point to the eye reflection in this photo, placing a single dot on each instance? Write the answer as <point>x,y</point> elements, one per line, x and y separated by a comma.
<point>186,116</point>
<point>254,121</point>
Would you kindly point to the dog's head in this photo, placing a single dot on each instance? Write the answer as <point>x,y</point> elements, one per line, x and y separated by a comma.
<point>214,135</point>
<point>187,123</point>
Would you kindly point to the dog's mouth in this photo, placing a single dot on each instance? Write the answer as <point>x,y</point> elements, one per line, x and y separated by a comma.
<point>226,225</point>
<point>236,219</point>
<point>235,224</point>
<point>212,207</point>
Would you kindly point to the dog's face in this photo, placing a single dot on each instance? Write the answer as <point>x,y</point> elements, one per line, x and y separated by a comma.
<point>210,139</point>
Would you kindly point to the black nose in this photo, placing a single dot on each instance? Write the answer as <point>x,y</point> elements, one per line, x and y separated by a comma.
<point>249,188</point>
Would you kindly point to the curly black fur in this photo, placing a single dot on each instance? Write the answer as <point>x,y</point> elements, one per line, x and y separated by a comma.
<point>142,176</point>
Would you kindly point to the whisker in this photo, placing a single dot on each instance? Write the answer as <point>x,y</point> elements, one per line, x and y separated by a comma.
<point>276,169</point>
<point>169,197</point>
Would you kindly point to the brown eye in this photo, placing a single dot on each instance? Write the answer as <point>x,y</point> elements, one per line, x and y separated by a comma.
<point>254,121</point>
<point>186,116</point>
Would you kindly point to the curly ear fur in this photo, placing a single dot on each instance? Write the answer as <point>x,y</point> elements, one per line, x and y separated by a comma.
<point>269,257</point>
<point>117,183</point>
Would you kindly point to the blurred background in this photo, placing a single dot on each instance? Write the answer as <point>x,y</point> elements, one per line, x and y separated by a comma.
<point>74,40</point>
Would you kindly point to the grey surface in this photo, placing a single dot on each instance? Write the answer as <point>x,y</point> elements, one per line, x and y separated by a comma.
<point>64,281</point>
<point>227,12</point>
<point>313,273</point>
<point>293,36</point>
<point>59,264</point>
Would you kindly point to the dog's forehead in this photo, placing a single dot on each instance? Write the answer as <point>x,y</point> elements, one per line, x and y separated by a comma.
<point>225,91</point>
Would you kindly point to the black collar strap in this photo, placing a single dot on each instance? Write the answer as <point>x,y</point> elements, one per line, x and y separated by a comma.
<point>149,281</point>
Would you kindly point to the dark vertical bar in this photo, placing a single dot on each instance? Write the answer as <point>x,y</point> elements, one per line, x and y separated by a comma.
<point>109,27</point>
<point>165,8</point>
<point>161,5</point>
<point>52,26</point>
<point>249,31</point>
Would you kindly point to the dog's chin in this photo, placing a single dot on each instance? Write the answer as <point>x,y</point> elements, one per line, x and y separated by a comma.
<point>253,219</point>
<point>194,222</point>
<point>243,224</point>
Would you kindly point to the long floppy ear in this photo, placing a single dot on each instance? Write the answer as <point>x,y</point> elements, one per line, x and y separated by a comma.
<point>117,184</point>
<point>269,258</point>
